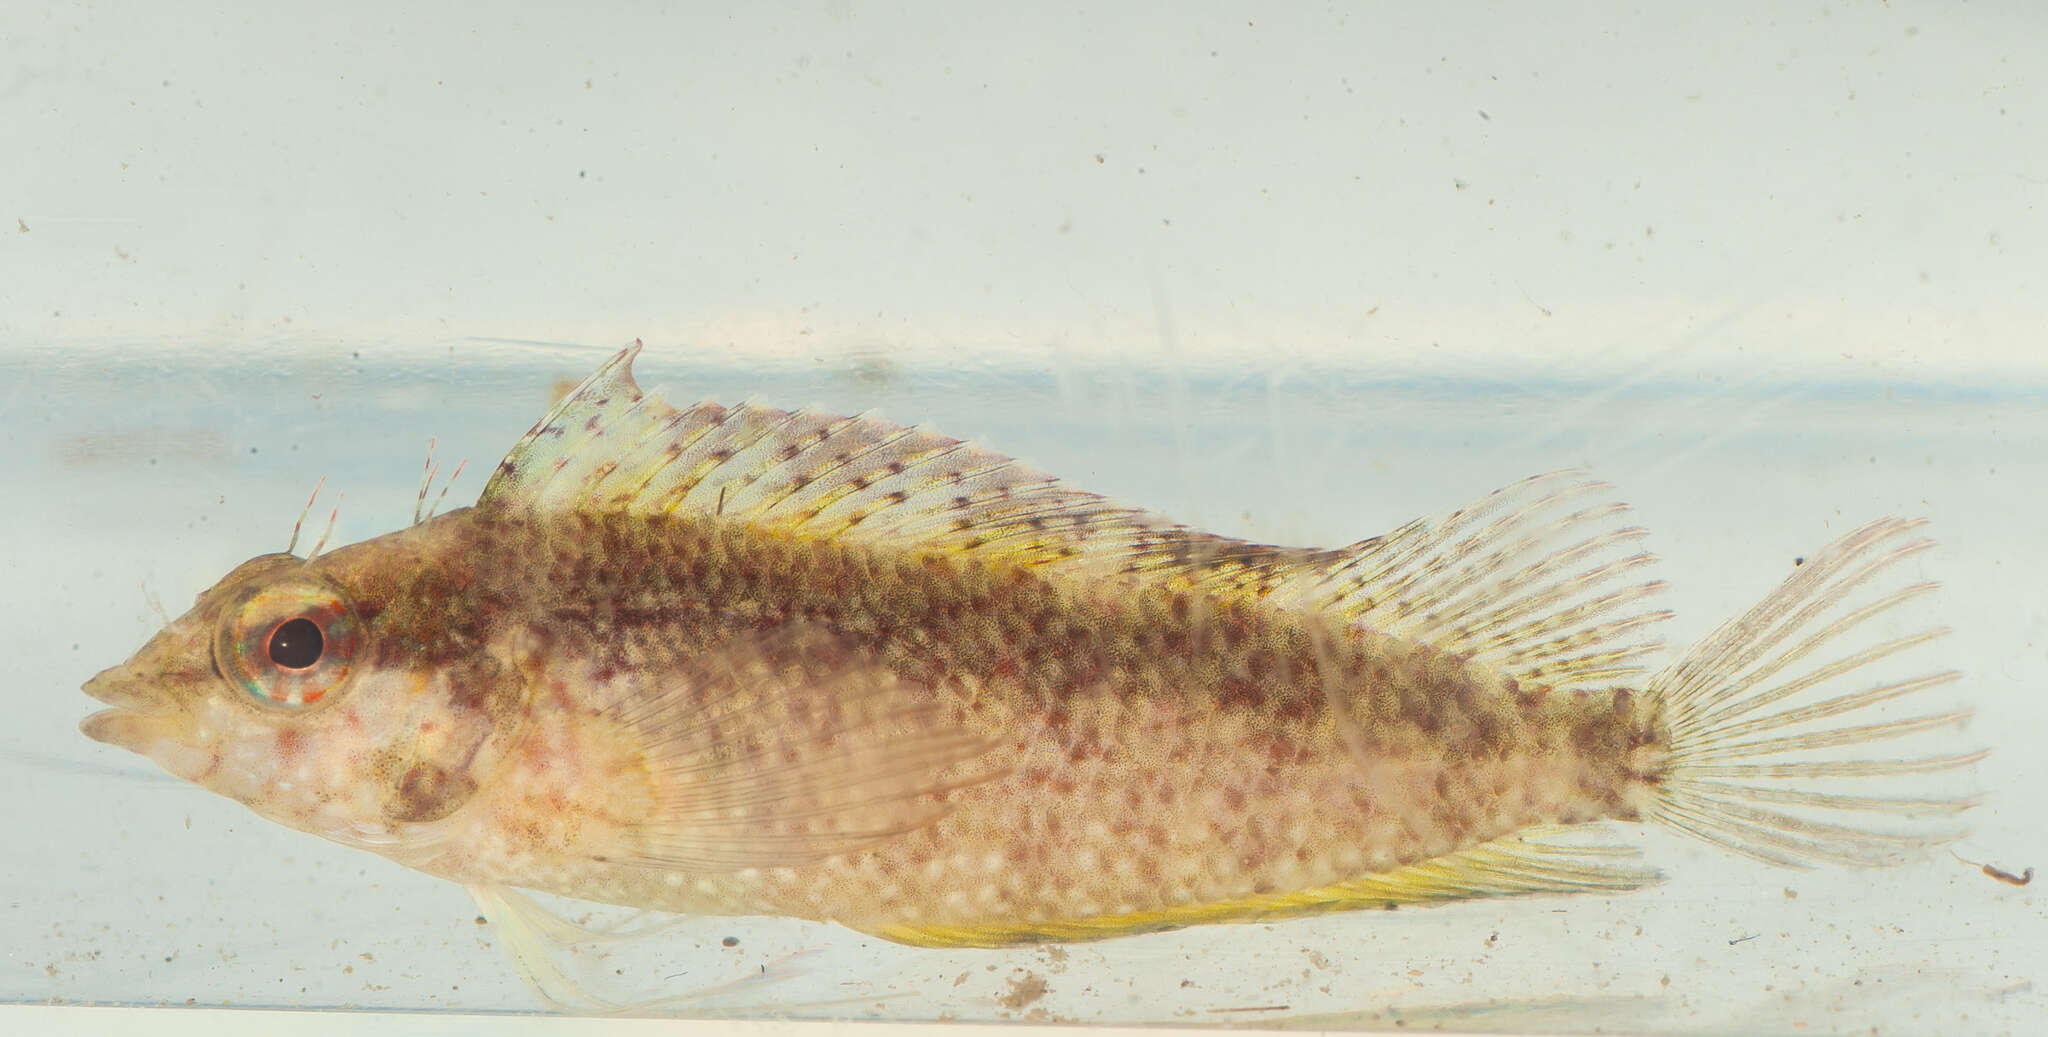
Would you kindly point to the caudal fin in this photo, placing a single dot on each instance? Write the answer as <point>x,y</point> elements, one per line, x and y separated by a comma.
<point>1776,750</point>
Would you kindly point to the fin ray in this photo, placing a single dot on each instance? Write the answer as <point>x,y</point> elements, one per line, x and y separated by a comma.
<point>609,446</point>
<point>1508,580</point>
<point>1905,806</point>
<point>1531,863</point>
<point>1534,574</point>
<point>788,750</point>
<point>531,934</point>
<point>1752,728</point>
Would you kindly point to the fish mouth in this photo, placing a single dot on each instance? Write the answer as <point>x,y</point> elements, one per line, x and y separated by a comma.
<point>126,725</point>
<point>141,722</point>
<point>153,735</point>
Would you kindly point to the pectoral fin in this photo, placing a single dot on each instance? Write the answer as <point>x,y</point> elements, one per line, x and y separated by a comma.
<point>791,750</point>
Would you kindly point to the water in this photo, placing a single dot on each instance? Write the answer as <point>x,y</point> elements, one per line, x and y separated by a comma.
<point>126,886</point>
<point>1299,273</point>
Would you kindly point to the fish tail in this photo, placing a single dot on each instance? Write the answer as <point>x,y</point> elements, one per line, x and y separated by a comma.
<point>1791,742</point>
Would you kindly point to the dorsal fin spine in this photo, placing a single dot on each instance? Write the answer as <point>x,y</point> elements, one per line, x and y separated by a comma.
<point>791,484</point>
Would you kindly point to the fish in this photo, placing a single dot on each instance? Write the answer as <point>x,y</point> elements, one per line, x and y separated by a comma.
<point>735,660</point>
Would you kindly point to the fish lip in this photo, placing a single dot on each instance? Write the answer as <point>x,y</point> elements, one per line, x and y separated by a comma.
<point>121,727</point>
<point>101,684</point>
<point>105,686</point>
<point>137,716</point>
<point>155,735</point>
<point>109,726</point>
<point>118,688</point>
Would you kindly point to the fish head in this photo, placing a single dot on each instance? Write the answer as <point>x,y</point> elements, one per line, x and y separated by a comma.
<point>321,695</point>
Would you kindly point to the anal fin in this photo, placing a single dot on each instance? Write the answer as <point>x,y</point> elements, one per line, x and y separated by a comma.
<point>1523,864</point>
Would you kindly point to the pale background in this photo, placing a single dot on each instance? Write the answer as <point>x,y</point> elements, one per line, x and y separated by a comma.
<point>1853,188</point>
<point>1290,271</point>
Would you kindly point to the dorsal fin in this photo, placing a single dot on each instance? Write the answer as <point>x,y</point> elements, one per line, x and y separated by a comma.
<point>1529,579</point>
<point>611,447</point>
<point>1535,579</point>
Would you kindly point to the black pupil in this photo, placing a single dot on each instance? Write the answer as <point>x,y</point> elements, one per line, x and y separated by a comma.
<point>296,644</point>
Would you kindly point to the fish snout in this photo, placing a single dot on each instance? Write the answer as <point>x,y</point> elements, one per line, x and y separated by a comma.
<point>115,686</point>
<point>146,718</point>
<point>124,725</point>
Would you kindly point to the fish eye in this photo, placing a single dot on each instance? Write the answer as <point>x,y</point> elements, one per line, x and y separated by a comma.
<point>291,645</point>
<point>295,644</point>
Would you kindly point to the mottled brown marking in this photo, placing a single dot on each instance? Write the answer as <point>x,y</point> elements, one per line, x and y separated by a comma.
<point>1194,735</point>
<point>428,792</point>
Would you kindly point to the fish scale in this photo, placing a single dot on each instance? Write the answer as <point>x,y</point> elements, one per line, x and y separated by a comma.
<point>1111,752</point>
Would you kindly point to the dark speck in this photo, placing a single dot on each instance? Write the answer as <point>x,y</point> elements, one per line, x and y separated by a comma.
<point>730,941</point>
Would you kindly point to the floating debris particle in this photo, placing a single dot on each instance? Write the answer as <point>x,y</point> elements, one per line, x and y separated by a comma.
<point>1025,988</point>
<point>2002,875</point>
